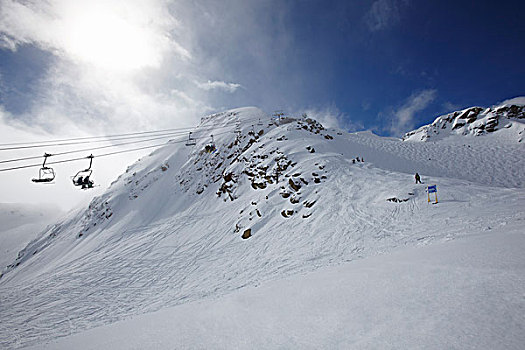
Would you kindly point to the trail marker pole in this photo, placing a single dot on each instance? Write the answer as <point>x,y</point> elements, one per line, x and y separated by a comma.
<point>432,189</point>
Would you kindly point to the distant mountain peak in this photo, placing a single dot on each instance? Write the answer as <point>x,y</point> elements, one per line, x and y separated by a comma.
<point>506,120</point>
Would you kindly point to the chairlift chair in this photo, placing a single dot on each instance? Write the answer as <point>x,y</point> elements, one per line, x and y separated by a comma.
<point>82,178</point>
<point>191,141</point>
<point>45,174</point>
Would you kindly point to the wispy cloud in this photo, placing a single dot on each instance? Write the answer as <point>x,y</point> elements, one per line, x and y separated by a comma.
<point>450,107</point>
<point>331,117</point>
<point>117,63</point>
<point>404,117</point>
<point>384,13</point>
<point>114,64</point>
<point>219,85</point>
<point>111,34</point>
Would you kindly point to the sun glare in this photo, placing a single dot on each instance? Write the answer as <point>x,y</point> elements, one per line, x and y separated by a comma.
<point>109,41</point>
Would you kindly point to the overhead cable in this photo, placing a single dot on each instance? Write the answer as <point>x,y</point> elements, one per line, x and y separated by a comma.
<point>102,155</point>
<point>109,138</point>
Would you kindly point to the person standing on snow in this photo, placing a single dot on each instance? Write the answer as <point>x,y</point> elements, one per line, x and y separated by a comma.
<point>418,178</point>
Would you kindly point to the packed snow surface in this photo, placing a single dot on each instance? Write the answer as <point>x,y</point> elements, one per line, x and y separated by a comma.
<point>170,230</point>
<point>462,294</point>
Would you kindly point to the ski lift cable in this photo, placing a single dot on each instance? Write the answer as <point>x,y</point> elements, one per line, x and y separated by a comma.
<point>104,154</point>
<point>92,141</point>
<point>82,158</point>
<point>90,149</point>
<point>87,149</point>
<point>62,143</point>
<point>102,136</point>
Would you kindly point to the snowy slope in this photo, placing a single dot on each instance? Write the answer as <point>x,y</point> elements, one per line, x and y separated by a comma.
<point>169,230</point>
<point>461,294</point>
<point>505,122</point>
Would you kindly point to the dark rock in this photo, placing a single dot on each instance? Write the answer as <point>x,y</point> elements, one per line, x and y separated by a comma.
<point>247,234</point>
<point>293,185</point>
<point>397,200</point>
<point>287,213</point>
<point>228,177</point>
<point>309,204</point>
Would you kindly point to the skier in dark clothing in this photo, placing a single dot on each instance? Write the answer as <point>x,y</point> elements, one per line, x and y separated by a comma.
<point>418,178</point>
<point>87,183</point>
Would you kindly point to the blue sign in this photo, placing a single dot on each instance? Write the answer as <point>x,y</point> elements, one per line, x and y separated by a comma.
<point>432,189</point>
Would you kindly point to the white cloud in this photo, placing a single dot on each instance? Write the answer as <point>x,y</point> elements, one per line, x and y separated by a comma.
<point>219,85</point>
<point>112,60</point>
<point>384,14</point>
<point>404,116</point>
<point>451,107</point>
<point>112,34</point>
<point>331,117</point>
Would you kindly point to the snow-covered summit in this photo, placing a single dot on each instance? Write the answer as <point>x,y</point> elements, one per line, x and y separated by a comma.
<point>505,121</point>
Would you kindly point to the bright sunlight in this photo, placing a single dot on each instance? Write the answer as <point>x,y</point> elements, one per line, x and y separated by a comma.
<point>109,40</point>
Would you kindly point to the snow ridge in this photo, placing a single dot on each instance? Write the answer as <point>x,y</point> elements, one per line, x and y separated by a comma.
<point>505,121</point>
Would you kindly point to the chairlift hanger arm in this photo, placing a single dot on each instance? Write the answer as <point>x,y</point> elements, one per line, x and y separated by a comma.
<point>90,161</point>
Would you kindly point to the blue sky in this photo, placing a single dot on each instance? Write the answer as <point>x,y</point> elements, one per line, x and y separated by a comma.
<point>385,65</point>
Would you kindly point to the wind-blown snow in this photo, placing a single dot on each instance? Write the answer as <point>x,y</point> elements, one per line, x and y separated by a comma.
<point>168,231</point>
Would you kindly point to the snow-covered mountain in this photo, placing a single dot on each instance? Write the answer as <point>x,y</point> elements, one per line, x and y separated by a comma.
<point>506,121</point>
<point>262,199</point>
